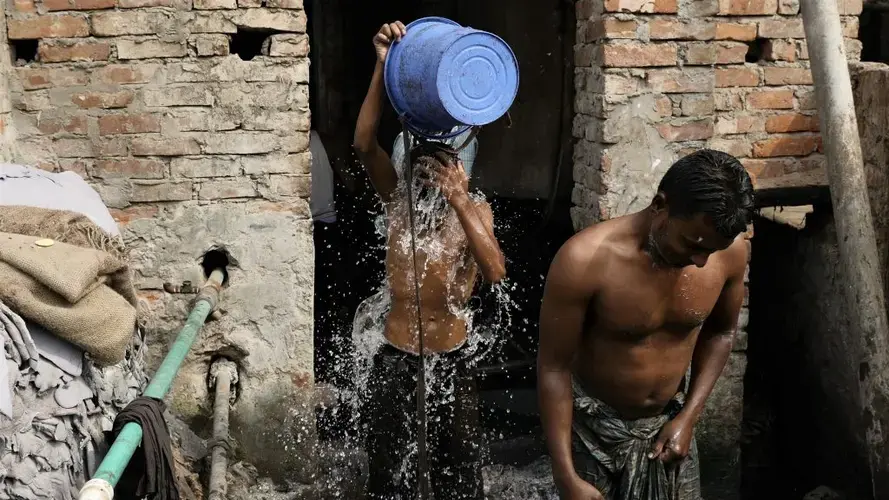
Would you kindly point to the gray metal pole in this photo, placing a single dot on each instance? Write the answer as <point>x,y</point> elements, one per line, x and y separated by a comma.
<point>865,305</point>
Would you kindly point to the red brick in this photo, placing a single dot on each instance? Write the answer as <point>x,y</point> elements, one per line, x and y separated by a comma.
<point>129,124</point>
<point>788,76</point>
<point>285,4</point>
<point>131,168</point>
<point>128,215</point>
<point>43,78</point>
<point>737,77</point>
<point>24,6</point>
<point>76,125</point>
<point>788,7</point>
<point>850,26</point>
<point>770,99</point>
<point>290,185</point>
<point>218,189</point>
<point>731,53</point>
<point>794,122</point>
<point>77,165</point>
<point>64,51</point>
<point>738,148</point>
<point>735,31</point>
<point>120,99</point>
<point>699,54</point>
<point>608,28</point>
<point>148,191</point>
<point>124,74</point>
<point>672,81</point>
<point>638,55</point>
<point>79,4</point>
<point>138,4</point>
<point>771,168</point>
<point>697,105</point>
<point>646,6</point>
<point>732,125</point>
<point>689,131</point>
<point>787,146</point>
<point>782,28</point>
<point>49,26</point>
<point>181,146</point>
<point>747,7</point>
<point>779,50</point>
<point>850,7</point>
<point>674,29</point>
<point>805,99</point>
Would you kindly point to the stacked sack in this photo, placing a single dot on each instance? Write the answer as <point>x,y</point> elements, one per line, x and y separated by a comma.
<point>73,353</point>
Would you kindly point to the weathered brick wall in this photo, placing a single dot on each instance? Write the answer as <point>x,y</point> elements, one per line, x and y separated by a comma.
<point>6,136</point>
<point>656,79</point>
<point>192,147</point>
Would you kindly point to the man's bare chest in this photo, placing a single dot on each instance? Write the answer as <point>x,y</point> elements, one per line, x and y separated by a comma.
<point>645,303</point>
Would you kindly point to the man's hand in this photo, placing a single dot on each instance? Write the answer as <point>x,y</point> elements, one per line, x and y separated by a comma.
<point>578,489</point>
<point>449,176</point>
<point>674,441</point>
<point>389,33</point>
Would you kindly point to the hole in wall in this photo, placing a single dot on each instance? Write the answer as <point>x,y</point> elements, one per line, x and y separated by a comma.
<point>755,50</point>
<point>23,51</point>
<point>216,258</point>
<point>249,43</point>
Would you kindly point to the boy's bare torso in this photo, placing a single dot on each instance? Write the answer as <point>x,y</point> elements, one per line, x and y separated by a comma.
<point>447,276</point>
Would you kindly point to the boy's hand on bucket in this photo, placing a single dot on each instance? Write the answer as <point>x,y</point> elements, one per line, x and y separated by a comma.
<point>389,33</point>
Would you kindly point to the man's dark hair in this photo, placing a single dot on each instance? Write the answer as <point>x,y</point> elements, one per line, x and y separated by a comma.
<point>712,183</point>
<point>427,149</point>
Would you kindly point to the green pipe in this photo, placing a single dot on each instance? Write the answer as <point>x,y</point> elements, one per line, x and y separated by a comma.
<point>130,436</point>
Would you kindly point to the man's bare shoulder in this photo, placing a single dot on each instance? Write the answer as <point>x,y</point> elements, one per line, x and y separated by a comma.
<point>735,258</point>
<point>582,258</point>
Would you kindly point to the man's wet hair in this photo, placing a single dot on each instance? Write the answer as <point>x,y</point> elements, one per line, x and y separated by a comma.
<point>711,183</point>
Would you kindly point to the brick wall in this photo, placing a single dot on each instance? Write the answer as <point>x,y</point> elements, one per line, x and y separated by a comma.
<point>192,147</point>
<point>657,79</point>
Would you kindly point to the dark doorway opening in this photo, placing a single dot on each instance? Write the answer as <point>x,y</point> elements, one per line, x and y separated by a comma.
<point>524,168</point>
<point>800,389</point>
<point>874,32</point>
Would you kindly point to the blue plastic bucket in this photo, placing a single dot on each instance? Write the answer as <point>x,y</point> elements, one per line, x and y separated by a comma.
<point>442,76</point>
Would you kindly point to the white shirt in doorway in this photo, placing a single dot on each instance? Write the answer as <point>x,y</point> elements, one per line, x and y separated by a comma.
<point>321,203</point>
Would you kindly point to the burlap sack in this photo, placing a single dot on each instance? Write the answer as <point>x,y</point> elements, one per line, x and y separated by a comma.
<point>74,229</point>
<point>79,288</point>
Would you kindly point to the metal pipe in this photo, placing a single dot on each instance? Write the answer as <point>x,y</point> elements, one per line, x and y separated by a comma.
<point>101,486</point>
<point>223,373</point>
<point>864,298</point>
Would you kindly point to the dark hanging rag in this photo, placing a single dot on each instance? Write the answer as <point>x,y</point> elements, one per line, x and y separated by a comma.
<point>150,474</point>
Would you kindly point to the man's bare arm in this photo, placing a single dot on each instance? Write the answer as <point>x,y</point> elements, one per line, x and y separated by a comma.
<point>478,224</point>
<point>565,301</point>
<point>718,332</point>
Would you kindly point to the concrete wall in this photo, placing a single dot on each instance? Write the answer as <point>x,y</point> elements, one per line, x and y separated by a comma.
<point>6,132</point>
<point>192,147</point>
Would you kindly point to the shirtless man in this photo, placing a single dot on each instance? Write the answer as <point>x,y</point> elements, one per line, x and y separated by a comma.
<point>455,241</point>
<point>628,304</point>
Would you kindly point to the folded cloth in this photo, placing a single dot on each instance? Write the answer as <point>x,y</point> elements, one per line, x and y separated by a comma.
<point>75,292</point>
<point>151,474</point>
<point>74,229</point>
